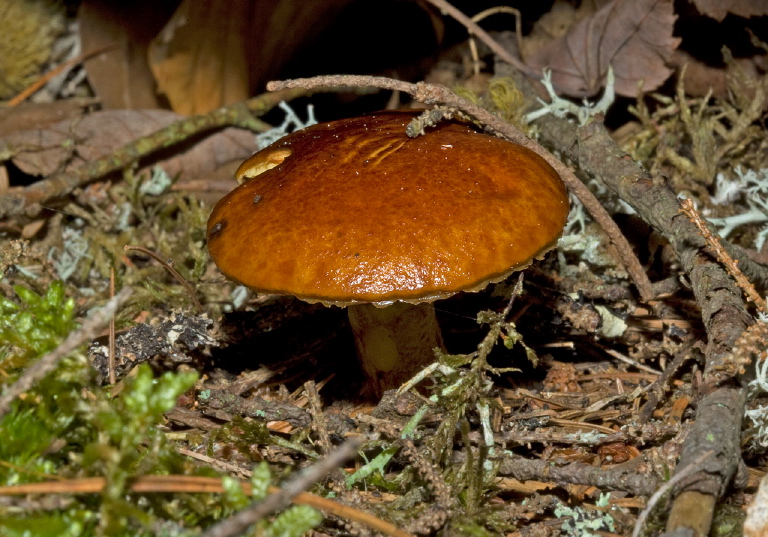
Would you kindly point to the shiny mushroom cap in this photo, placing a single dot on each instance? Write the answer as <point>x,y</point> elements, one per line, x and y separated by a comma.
<point>354,211</point>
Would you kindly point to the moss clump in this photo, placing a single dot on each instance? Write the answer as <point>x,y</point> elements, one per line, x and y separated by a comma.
<point>33,324</point>
<point>27,31</point>
<point>692,140</point>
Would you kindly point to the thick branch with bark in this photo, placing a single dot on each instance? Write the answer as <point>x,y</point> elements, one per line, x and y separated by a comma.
<point>718,423</point>
<point>719,415</point>
<point>626,479</point>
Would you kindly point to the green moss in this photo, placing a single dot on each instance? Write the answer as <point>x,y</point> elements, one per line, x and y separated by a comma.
<point>728,520</point>
<point>56,431</point>
<point>27,31</point>
<point>73,523</point>
<point>34,324</point>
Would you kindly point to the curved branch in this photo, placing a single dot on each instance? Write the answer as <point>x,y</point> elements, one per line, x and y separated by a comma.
<point>437,94</point>
<point>243,114</point>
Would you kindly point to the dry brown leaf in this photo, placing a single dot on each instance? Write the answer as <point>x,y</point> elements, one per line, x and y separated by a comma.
<point>718,9</point>
<point>702,79</point>
<point>199,58</point>
<point>195,55</point>
<point>221,51</point>
<point>120,75</point>
<point>632,36</point>
<point>37,115</point>
<point>69,144</point>
<point>551,25</point>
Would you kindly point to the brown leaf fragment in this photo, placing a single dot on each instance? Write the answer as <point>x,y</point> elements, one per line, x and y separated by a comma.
<point>718,9</point>
<point>120,75</point>
<point>221,51</point>
<point>199,57</point>
<point>634,37</point>
<point>69,144</point>
<point>38,115</point>
<point>701,79</point>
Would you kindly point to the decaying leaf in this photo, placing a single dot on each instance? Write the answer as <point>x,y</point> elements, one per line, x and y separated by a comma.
<point>69,144</point>
<point>38,115</point>
<point>718,9</point>
<point>634,37</point>
<point>552,25</point>
<point>702,79</point>
<point>199,58</point>
<point>120,75</point>
<point>218,52</point>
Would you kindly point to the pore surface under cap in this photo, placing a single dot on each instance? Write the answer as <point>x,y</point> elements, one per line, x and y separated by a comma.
<point>359,212</point>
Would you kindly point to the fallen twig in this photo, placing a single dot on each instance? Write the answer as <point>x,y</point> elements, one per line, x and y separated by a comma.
<point>437,94</point>
<point>203,484</point>
<point>170,268</point>
<point>730,264</point>
<point>243,114</point>
<point>483,36</point>
<point>30,90</point>
<point>238,523</point>
<point>720,410</point>
<point>577,473</point>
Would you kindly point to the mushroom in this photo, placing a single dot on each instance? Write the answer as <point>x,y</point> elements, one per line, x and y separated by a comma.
<point>355,213</point>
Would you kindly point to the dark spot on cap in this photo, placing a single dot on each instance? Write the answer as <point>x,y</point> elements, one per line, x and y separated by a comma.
<point>217,228</point>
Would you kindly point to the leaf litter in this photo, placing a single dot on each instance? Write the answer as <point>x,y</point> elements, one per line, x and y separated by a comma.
<point>610,401</point>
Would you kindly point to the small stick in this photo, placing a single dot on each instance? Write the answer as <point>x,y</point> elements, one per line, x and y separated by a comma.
<point>190,483</point>
<point>169,267</point>
<point>91,326</point>
<point>43,80</point>
<point>243,114</point>
<point>111,361</point>
<point>440,95</point>
<point>695,466</point>
<point>238,523</point>
<point>487,13</point>
<point>731,264</point>
<point>483,36</point>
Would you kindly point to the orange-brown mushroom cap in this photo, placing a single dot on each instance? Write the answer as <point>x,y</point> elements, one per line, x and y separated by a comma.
<point>355,212</point>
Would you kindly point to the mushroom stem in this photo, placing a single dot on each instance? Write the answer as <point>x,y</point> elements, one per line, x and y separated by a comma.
<point>394,342</point>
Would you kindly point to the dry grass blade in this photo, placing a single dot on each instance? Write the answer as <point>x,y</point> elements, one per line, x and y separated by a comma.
<point>200,484</point>
<point>169,267</point>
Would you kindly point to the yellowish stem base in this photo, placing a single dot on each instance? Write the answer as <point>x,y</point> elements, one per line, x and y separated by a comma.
<point>394,342</point>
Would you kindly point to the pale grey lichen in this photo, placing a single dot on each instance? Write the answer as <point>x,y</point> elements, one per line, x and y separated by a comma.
<point>238,296</point>
<point>750,190</point>
<point>291,123</point>
<point>579,238</point>
<point>562,107</point>
<point>74,250</point>
<point>122,213</point>
<point>759,415</point>
<point>157,184</point>
<point>579,522</point>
